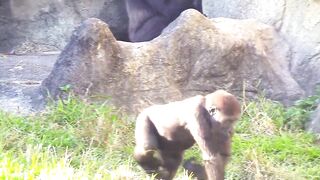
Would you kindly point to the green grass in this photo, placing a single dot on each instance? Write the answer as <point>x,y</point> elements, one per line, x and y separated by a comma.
<point>76,139</point>
<point>270,142</point>
<point>73,140</point>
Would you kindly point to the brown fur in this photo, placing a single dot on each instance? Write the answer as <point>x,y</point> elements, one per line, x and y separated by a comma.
<point>164,132</point>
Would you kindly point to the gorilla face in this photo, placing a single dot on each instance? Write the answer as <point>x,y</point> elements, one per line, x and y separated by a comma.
<point>223,107</point>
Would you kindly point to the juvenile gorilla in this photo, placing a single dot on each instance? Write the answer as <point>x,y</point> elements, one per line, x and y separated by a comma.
<point>164,132</point>
<point>147,18</point>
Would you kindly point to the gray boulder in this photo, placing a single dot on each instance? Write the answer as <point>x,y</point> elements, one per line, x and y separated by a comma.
<point>298,21</point>
<point>194,55</point>
<point>28,26</point>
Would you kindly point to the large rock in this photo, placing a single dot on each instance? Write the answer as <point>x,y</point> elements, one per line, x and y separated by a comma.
<point>298,21</point>
<point>194,55</point>
<point>43,25</point>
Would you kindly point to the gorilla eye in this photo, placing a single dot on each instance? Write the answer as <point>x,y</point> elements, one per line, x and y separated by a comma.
<point>212,111</point>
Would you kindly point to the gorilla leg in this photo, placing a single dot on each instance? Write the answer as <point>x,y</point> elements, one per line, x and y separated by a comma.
<point>170,166</point>
<point>146,150</point>
<point>153,160</point>
<point>211,170</point>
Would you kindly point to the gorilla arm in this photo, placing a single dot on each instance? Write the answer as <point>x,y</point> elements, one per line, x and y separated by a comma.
<point>172,8</point>
<point>198,5</point>
<point>213,141</point>
<point>158,5</point>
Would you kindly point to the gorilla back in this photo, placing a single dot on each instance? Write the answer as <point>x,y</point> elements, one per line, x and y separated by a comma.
<point>147,18</point>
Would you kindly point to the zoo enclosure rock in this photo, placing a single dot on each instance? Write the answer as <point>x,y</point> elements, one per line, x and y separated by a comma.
<point>298,21</point>
<point>194,55</point>
<point>47,24</point>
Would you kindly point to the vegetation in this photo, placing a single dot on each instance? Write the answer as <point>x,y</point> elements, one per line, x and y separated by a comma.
<point>75,139</point>
<point>270,143</point>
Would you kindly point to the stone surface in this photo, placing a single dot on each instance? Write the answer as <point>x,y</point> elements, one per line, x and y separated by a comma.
<point>20,78</point>
<point>298,21</point>
<point>194,55</point>
<point>43,25</point>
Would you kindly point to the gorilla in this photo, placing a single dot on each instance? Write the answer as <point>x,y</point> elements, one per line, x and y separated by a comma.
<point>164,132</point>
<point>147,18</point>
